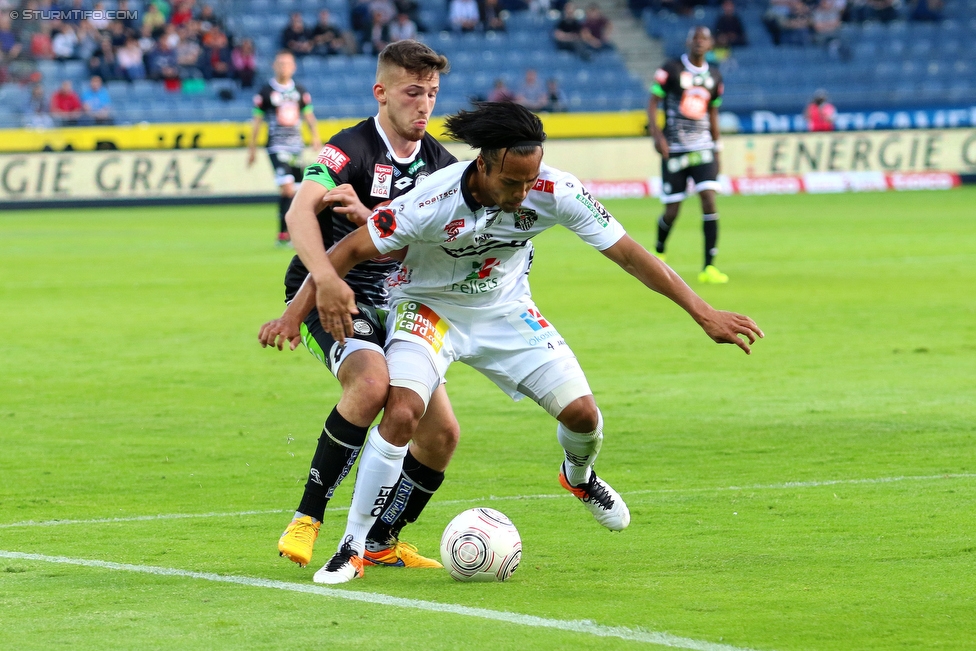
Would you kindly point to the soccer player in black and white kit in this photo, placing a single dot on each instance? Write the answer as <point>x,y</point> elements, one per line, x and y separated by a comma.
<point>284,104</point>
<point>361,167</point>
<point>463,294</point>
<point>691,93</point>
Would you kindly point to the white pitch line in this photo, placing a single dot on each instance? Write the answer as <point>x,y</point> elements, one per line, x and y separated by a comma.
<point>503,498</point>
<point>585,627</point>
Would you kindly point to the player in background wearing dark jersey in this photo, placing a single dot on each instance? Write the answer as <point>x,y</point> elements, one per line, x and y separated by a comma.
<point>284,104</point>
<point>689,145</point>
<point>361,167</point>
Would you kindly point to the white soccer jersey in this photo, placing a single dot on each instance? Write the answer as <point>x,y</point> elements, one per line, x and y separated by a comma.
<point>461,253</point>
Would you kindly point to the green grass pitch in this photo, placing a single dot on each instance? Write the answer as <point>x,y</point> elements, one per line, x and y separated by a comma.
<point>817,495</point>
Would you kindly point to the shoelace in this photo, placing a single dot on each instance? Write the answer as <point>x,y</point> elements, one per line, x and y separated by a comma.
<point>597,492</point>
<point>305,533</point>
<point>342,556</point>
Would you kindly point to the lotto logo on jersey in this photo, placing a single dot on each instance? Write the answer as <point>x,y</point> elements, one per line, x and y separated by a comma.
<point>417,320</point>
<point>333,158</point>
<point>382,180</point>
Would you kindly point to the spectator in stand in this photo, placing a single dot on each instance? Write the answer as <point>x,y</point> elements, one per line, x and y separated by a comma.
<point>163,65</point>
<point>825,24</point>
<point>361,19</point>
<point>296,38</point>
<point>568,33</point>
<point>208,18</point>
<point>491,16</point>
<point>99,19</point>
<point>216,54</point>
<point>189,54</point>
<point>130,61</point>
<point>386,8</point>
<point>378,36</point>
<point>155,20</point>
<point>501,92</point>
<point>164,8</point>
<point>9,47</point>
<point>66,106</point>
<point>182,13</point>
<point>89,39</point>
<point>402,28</point>
<point>556,98</point>
<point>40,44</point>
<point>596,29</point>
<point>104,62</point>
<point>74,13</point>
<point>927,10</point>
<point>245,63</point>
<point>820,113</point>
<point>729,30</point>
<point>880,10</point>
<point>146,41</point>
<point>64,41</point>
<point>464,15</point>
<point>171,36</point>
<point>116,31</point>
<point>123,16</point>
<point>412,9</point>
<point>96,102</point>
<point>37,113</point>
<point>327,38</point>
<point>532,94</point>
<point>795,28</point>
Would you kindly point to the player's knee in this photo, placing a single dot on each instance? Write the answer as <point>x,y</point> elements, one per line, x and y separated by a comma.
<point>581,415</point>
<point>401,416</point>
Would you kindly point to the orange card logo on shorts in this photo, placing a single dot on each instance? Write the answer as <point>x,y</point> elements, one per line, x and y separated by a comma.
<point>419,320</point>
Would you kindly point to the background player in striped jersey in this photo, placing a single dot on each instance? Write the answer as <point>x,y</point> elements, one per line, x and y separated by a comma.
<point>283,104</point>
<point>690,92</point>
<point>363,166</point>
<point>463,295</point>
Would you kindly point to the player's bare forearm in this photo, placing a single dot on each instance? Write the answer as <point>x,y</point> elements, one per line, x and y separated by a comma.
<point>720,326</point>
<point>306,235</point>
<point>336,302</point>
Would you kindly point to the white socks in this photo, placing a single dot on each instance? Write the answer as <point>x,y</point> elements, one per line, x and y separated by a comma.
<point>581,451</point>
<point>379,469</point>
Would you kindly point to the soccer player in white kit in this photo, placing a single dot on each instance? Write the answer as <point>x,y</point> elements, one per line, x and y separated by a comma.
<point>462,294</point>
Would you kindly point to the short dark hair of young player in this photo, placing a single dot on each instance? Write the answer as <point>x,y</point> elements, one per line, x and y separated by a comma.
<point>413,56</point>
<point>496,126</point>
<point>694,30</point>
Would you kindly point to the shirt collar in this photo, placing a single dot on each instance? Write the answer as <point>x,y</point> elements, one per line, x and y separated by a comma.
<point>403,161</point>
<point>469,199</point>
<point>692,67</point>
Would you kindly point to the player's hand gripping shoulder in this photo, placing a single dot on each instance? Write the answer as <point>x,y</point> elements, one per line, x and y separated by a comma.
<point>345,201</point>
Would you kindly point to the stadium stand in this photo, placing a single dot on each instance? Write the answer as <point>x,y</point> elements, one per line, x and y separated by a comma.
<point>340,84</point>
<point>868,65</point>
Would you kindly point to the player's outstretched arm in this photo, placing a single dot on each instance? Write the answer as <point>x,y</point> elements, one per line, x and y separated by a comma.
<point>723,327</point>
<point>288,327</point>
<point>335,300</point>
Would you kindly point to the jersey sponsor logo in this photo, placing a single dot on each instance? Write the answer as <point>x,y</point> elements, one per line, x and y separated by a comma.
<point>399,277</point>
<point>534,319</point>
<point>453,228</point>
<point>417,319</point>
<point>482,270</point>
<point>439,197</point>
<point>543,185</point>
<point>686,79</point>
<point>382,179</point>
<point>691,159</point>
<point>533,327</point>
<point>333,158</point>
<point>661,76</point>
<point>596,209</point>
<point>385,222</point>
<point>417,164</point>
<point>525,218</point>
<point>694,103</point>
<point>403,183</point>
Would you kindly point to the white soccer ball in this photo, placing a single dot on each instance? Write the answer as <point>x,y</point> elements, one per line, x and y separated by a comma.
<point>481,545</point>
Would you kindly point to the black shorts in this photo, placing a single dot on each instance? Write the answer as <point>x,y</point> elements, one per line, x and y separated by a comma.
<point>369,327</point>
<point>287,167</point>
<point>699,166</point>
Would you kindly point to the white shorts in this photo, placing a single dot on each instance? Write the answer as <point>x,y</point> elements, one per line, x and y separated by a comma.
<point>507,343</point>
